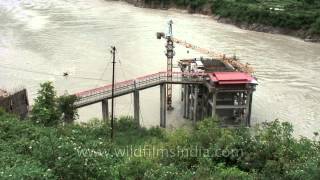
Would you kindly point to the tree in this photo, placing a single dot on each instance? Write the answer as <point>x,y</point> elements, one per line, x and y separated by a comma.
<point>309,1</point>
<point>66,107</point>
<point>45,110</point>
<point>315,27</point>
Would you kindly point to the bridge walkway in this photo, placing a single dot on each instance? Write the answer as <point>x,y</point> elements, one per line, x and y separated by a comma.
<point>96,95</point>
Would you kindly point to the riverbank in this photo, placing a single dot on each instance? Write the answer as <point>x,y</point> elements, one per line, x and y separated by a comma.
<point>304,24</point>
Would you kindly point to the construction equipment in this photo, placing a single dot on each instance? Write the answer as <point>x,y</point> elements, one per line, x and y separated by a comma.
<point>169,53</point>
<point>233,61</point>
<point>218,56</point>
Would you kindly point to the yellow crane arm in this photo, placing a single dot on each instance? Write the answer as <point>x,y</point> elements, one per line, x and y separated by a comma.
<point>219,56</point>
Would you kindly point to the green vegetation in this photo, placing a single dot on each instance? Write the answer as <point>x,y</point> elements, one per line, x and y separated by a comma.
<point>66,107</point>
<point>49,109</point>
<point>52,150</point>
<point>33,151</point>
<point>290,14</point>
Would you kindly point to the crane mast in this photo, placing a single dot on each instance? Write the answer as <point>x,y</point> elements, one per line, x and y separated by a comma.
<point>169,54</point>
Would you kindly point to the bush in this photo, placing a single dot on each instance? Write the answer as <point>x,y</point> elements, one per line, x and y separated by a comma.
<point>67,108</point>
<point>15,166</point>
<point>29,151</point>
<point>135,168</point>
<point>222,172</point>
<point>45,110</point>
<point>50,110</point>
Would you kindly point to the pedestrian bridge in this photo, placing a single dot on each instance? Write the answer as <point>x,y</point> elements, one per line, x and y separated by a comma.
<point>100,94</point>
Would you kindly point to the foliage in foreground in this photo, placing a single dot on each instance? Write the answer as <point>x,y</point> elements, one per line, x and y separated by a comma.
<point>50,110</point>
<point>31,151</point>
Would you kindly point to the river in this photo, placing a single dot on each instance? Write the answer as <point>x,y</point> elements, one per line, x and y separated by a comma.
<point>41,39</point>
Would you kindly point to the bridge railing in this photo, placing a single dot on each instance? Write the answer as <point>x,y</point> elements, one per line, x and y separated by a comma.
<point>140,82</point>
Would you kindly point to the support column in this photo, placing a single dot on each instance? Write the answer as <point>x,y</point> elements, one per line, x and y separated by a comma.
<point>136,107</point>
<point>205,105</point>
<point>249,106</point>
<point>195,104</point>
<point>214,104</point>
<point>202,104</point>
<point>201,107</point>
<point>163,105</point>
<point>191,104</point>
<point>183,89</point>
<point>105,110</point>
<point>186,102</point>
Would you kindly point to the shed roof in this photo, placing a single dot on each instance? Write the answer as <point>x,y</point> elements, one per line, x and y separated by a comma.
<point>231,78</point>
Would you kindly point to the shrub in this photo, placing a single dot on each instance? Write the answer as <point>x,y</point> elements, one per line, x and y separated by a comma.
<point>44,110</point>
<point>67,108</point>
<point>15,166</point>
<point>269,151</point>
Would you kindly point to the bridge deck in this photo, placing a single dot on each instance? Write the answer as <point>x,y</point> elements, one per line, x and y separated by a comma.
<point>126,87</point>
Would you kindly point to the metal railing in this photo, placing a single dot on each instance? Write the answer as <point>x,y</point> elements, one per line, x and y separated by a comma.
<point>143,82</point>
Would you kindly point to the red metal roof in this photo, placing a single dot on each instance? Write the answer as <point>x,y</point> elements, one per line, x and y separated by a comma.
<point>231,78</point>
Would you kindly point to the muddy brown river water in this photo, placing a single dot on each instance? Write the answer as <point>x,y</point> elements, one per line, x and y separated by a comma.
<point>40,39</point>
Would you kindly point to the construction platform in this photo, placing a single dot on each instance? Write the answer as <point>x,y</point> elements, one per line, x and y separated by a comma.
<point>209,88</point>
<point>226,93</point>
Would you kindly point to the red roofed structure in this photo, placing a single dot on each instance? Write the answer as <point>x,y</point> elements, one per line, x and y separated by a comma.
<point>227,93</point>
<point>231,78</point>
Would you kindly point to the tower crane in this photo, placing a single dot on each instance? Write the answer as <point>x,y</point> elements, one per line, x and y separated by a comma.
<point>213,54</point>
<point>169,53</point>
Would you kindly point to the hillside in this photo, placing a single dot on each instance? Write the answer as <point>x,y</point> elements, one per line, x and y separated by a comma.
<point>299,18</point>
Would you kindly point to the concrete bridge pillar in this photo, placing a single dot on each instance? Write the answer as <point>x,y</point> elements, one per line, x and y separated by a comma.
<point>105,110</point>
<point>163,105</point>
<point>136,107</point>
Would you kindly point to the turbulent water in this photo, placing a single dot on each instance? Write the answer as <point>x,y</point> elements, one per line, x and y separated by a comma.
<point>40,40</point>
